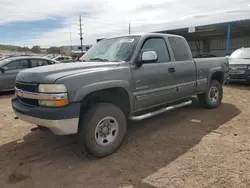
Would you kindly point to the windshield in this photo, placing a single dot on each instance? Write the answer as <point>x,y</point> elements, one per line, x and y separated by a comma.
<point>115,49</point>
<point>3,62</point>
<point>243,53</point>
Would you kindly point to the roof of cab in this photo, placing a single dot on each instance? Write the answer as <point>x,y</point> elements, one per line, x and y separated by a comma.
<point>144,34</point>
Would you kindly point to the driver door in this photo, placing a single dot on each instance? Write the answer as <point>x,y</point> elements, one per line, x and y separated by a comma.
<point>153,82</point>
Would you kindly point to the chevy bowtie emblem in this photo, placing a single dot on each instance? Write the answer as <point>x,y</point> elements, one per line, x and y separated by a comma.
<point>19,93</point>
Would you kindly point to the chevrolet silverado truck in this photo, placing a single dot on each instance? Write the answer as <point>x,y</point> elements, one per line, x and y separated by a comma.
<point>124,78</point>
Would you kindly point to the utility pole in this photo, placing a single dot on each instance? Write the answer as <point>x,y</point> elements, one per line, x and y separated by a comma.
<point>129,28</point>
<point>71,40</point>
<point>80,20</point>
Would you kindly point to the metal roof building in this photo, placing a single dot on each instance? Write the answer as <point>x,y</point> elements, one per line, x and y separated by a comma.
<point>219,33</point>
<point>220,38</point>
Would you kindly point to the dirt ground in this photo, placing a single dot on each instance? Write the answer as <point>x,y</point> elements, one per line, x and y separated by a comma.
<point>189,147</point>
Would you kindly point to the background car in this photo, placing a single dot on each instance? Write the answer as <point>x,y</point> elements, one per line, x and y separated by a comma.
<point>63,59</point>
<point>239,65</point>
<point>10,67</point>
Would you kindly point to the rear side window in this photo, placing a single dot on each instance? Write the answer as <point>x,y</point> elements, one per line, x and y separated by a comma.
<point>181,53</point>
<point>159,46</point>
<point>38,62</point>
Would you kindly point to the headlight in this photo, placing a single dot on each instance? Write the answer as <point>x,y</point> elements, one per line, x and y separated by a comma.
<point>58,95</point>
<point>249,67</point>
<point>52,88</point>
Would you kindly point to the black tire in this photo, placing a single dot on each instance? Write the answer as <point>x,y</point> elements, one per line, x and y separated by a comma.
<point>89,122</point>
<point>205,99</point>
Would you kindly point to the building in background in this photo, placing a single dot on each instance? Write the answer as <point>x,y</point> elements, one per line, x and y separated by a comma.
<point>219,39</point>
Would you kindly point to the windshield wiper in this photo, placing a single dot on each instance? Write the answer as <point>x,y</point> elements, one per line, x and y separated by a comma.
<point>99,59</point>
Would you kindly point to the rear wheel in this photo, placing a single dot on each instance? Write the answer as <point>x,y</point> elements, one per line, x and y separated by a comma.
<point>102,129</point>
<point>213,96</point>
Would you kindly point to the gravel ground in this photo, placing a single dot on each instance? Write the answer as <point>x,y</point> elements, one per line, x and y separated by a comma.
<point>188,147</point>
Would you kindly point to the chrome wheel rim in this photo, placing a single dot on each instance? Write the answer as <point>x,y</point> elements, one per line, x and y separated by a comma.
<point>106,131</point>
<point>213,94</point>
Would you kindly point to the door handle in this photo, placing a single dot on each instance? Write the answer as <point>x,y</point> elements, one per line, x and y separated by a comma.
<point>171,70</point>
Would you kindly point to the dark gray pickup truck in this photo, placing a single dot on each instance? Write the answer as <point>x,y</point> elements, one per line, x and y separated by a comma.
<point>130,77</point>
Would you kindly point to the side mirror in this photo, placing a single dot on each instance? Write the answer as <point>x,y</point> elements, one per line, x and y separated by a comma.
<point>146,57</point>
<point>149,56</point>
<point>3,69</point>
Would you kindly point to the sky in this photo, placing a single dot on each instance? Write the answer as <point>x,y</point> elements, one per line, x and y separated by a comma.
<point>50,22</point>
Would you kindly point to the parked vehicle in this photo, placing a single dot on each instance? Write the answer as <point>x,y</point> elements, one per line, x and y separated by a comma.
<point>204,55</point>
<point>239,65</point>
<point>63,59</point>
<point>130,77</point>
<point>9,68</point>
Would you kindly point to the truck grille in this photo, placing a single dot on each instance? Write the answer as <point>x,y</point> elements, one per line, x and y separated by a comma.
<point>26,86</point>
<point>30,88</point>
<point>238,67</point>
<point>240,76</point>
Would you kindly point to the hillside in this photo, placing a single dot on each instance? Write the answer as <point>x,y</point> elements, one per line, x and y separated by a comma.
<point>11,48</point>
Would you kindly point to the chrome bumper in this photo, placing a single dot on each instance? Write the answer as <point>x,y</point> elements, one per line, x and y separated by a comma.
<point>58,127</point>
<point>40,96</point>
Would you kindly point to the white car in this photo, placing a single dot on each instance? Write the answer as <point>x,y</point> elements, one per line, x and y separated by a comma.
<point>239,65</point>
<point>63,58</point>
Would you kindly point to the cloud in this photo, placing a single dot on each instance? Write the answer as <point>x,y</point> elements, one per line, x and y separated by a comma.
<point>30,10</point>
<point>107,18</point>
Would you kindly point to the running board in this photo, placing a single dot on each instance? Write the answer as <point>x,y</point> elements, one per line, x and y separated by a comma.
<point>165,109</point>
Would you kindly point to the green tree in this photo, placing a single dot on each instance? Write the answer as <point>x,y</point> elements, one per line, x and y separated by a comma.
<point>53,50</point>
<point>36,49</point>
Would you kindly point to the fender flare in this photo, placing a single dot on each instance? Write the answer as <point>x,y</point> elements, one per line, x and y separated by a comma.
<point>87,89</point>
<point>212,71</point>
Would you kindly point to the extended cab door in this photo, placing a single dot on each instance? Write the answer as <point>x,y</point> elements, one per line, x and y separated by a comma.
<point>184,67</point>
<point>152,82</point>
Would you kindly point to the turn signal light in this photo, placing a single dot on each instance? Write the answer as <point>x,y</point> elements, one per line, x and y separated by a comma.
<point>56,103</point>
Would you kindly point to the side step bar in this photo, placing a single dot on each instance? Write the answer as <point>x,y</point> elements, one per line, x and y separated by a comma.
<point>165,109</point>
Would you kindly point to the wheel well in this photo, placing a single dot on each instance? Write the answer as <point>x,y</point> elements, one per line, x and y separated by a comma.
<point>117,96</point>
<point>218,76</point>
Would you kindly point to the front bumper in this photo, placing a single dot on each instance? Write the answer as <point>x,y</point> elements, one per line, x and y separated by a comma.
<point>61,120</point>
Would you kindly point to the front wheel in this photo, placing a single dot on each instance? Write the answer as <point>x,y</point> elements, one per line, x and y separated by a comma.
<point>102,129</point>
<point>213,96</point>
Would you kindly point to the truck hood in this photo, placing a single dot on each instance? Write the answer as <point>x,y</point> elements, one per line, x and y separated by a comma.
<point>50,73</point>
<point>239,61</point>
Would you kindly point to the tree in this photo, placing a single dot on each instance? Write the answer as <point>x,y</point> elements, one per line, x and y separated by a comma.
<point>25,49</point>
<point>36,49</point>
<point>54,50</point>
